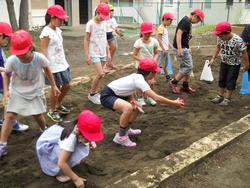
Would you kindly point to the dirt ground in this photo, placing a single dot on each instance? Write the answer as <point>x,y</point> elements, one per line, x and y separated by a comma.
<point>164,129</point>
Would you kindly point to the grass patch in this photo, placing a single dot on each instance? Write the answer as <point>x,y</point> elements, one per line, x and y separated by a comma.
<point>205,29</point>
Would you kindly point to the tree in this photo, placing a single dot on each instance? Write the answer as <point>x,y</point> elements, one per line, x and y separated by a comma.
<point>23,15</point>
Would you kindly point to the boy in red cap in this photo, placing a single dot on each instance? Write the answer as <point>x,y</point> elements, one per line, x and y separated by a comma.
<point>5,35</point>
<point>59,149</point>
<point>119,96</point>
<point>52,48</point>
<point>96,48</point>
<point>24,84</point>
<point>182,51</point>
<point>232,50</point>
<point>163,39</point>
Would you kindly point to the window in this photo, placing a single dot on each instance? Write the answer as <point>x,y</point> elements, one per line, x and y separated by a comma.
<point>169,2</point>
<point>207,3</point>
<point>190,3</point>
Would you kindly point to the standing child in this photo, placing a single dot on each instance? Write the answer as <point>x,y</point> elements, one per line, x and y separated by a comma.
<point>119,96</point>
<point>5,35</point>
<point>163,39</point>
<point>182,51</point>
<point>26,69</point>
<point>232,49</point>
<point>96,48</point>
<point>113,30</point>
<point>59,149</point>
<point>146,47</point>
<point>52,48</point>
<point>246,38</point>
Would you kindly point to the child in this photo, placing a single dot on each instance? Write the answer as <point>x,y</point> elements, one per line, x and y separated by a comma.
<point>113,30</point>
<point>182,51</point>
<point>163,39</point>
<point>146,46</point>
<point>26,96</point>
<point>96,48</point>
<point>119,95</point>
<point>59,149</point>
<point>5,34</point>
<point>232,49</point>
<point>52,48</point>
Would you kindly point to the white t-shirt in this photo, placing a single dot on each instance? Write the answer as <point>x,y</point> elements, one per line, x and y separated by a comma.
<point>98,38</point>
<point>27,80</point>
<point>165,40</point>
<point>111,24</point>
<point>146,50</point>
<point>55,51</point>
<point>69,143</point>
<point>127,85</point>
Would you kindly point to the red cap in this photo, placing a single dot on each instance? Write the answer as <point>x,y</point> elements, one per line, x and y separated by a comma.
<point>199,13</point>
<point>223,26</point>
<point>21,42</point>
<point>103,9</point>
<point>89,125</point>
<point>168,15</point>
<point>5,29</point>
<point>148,65</point>
<point>146,27</point>
<point>57,11</point>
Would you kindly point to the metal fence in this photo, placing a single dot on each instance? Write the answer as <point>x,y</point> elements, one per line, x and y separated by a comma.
<point>132,11</point>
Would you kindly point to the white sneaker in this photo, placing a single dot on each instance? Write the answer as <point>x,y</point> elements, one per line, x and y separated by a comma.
<point>95,98</point>
<point>134,131</point>
<point>151,101</point>
<point>20,127</point>
<point>123,140</point>
<point>141,101</point>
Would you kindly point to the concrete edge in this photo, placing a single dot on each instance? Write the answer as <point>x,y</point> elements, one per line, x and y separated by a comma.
<point>156,172</point>
<point>85,79</point>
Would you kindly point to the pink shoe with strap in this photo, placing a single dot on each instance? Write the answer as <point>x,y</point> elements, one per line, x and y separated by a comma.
<point>134,131</point>
<point>123,140</point>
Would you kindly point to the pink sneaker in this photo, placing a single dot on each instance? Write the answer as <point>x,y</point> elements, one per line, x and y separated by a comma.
<point>188,90</point>
<point>173,87</point>
<point>134,131</point>
<point>123,140</point>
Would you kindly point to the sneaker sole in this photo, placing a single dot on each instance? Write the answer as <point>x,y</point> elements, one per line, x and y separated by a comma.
<point>62,112</point>
<point>124,145</point>
<point>57,121</point>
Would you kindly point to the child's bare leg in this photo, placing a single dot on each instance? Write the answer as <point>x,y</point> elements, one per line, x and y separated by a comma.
<point>97,78</point>
<point>64,90</point>
<point>9,119</point>
<point>53,100</point>
<point>112,48</point>
<point>221,91</point>
<point>229,94</point>
<point>40,119</point>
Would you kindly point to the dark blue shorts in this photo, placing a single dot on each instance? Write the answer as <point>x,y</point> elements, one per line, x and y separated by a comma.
<point>61,78</point>
<point>228,76</point>
<point>110,36</point>
<point>108,97</point>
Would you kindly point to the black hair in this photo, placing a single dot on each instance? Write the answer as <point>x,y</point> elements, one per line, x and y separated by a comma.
<point>194,14</point>
<point>142,72</point>
<point>47,19</point>
<point>69,127</point>
<point>4,36</point>
<point>166,19</point>
<point>224,32</point>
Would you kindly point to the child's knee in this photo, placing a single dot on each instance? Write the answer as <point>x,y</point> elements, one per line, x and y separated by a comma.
<point>100,75</point>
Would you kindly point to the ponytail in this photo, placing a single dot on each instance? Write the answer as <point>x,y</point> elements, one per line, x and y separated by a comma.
<point>69,127</point>
<point>47,19</point>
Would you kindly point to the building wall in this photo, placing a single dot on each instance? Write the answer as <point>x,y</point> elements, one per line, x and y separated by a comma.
<point>4,12</point>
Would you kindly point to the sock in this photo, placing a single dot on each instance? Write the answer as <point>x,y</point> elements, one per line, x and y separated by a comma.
<point>174,81</point>
<point>185,84</point>
<point>123,131</point>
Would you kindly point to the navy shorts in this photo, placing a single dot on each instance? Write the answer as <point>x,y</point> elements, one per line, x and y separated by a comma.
<point>61,78</point>
<point>228,76</point>
<point>110,36</point>
<point>108,97</point>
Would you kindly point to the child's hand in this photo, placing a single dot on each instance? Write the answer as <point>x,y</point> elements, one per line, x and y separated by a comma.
<point>87,60</point>
<point>55,90</point>
<point>211,62</point>
<point>79,182</point>
<point>93,145</point>
<point>180,52</point>
<point>179,102</point>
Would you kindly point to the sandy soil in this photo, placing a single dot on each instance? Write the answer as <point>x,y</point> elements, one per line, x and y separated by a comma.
<point>164,129</point>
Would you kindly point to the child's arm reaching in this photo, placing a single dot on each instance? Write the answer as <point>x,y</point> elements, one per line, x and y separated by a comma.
<point>63,165</point>
<point>216,53</point>
<point>50,77</point>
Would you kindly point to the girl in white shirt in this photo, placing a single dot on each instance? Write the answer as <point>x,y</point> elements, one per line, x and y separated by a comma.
<point>119,96</point>
<point>59,149</point>
<point>52,48</point>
